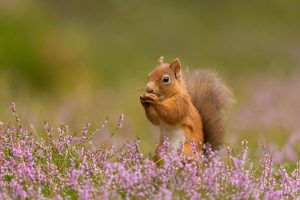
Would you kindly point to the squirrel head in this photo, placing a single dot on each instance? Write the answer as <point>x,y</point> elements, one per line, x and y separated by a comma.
<point>165,80</point>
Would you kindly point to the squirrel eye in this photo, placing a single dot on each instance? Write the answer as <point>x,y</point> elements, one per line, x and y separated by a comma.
<point>166,79</point>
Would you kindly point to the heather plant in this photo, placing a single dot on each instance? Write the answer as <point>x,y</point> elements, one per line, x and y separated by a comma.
<point>68,167</point>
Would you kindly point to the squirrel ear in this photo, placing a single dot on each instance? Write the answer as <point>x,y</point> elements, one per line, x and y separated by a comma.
<point>175,67</point>
<point>160,60</point>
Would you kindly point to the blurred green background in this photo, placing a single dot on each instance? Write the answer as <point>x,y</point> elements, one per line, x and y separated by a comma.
<point>76,61</point>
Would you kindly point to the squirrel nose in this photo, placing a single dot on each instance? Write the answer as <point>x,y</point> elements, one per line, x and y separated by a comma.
<point>149,90</point>
<point>150,87</point>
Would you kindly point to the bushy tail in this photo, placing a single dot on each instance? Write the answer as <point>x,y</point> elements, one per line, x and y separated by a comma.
<point>212,98</point>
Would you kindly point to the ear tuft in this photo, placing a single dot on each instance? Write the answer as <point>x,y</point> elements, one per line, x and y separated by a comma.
<point>160,60</point>
<point>175,67</point>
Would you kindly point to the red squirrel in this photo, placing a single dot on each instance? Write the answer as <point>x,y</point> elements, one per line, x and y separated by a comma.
<point>187,107</point>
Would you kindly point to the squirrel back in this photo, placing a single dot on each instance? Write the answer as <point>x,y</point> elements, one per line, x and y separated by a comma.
<point>212,98</point>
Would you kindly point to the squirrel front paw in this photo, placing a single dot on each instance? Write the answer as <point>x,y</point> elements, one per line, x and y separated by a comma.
<point>149,99</point>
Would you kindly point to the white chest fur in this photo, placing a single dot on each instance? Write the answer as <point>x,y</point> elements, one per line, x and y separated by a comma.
<point>175,134</point>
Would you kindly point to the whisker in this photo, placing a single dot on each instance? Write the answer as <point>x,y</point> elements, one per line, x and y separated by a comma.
<point>139,90</point>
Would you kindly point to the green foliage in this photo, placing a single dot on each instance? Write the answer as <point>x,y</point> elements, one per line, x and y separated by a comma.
<point>75,157</point>
<point>60,160</point>
<point>8,178</point>
<point>47,191</point>
<point>70,193</point>
<point>7,153</point>
<point>43,160</point>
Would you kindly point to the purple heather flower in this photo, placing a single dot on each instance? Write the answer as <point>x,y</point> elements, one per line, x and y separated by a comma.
<point>17,190</point>
<point>66,169</point>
